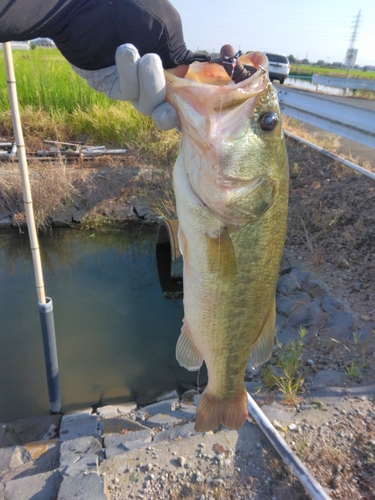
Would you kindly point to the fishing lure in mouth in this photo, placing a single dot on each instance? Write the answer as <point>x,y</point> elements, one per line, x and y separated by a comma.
<point>229,59</point>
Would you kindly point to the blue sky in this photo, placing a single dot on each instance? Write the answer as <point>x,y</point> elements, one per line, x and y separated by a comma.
<point>320,29</point>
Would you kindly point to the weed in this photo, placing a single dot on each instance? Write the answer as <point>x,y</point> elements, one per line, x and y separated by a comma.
<point>356,365</point>
<point>267,376</point>
<point>288,357</point>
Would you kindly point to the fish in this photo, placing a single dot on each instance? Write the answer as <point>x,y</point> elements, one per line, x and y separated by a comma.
<point>231,188</point>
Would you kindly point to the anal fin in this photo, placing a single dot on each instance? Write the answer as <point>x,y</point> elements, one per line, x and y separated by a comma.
<point>186,353</point>
<point>263,346</point>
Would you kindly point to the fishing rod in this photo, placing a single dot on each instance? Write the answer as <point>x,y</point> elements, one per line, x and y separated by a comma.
<point>44,303</point>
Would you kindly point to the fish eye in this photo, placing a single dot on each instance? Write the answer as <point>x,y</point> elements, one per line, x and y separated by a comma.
<point>268,121</point>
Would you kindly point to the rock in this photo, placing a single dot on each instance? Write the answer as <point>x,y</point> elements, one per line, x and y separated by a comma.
<point>287,284</point>
<point>5,457</point>
<point>329,304</point>
<point>78,424</point>
<point>5,220</point>
<point>83,487</point>
<point>61,219</point>
<point>166,407</point>
<point>364,317</point>
<point>38,487</point>
<point>285,305</point>
<point>120,425</point>
<point>79,455</point>
<point>167,395</point>
<point>116,444</point>
<point>306,316</point>
<point>29,429</point>
<point>340,319</point>
<point>327,378</point>
<point>181,431</point>
<point>313,288</point>
<point>274,411</point>
<point>115,410</point>
<point>141,210</point>
<point>162,420</point>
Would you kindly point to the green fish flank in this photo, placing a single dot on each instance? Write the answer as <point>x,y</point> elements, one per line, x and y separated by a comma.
<point>231,187</point>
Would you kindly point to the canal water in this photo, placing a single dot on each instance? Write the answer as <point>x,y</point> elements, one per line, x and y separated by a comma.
<point>116,330</point>
<point>306,84</point>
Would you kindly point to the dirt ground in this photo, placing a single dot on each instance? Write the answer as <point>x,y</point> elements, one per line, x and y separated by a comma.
<point>331,231</point>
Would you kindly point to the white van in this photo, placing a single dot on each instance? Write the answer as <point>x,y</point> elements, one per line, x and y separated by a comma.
<point>278,66</point>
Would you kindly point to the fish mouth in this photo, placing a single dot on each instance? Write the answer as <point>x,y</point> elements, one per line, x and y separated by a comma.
<point>208,82</point>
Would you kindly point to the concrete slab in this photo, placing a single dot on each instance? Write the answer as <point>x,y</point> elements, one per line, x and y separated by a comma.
<point>274,411</point>
<point>167,407</point>
<point>28,430</point>
<point>116,444</point>
<point>38,487</point>
<point>78,424</point>
<point>119,425</point>
<point>5,457</point>
<point>115,410</point>
<point>182,431</point>
<point>79,455</point>
<point>89,486</point>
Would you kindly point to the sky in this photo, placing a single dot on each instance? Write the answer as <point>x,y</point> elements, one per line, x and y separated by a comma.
<point>316,29</point>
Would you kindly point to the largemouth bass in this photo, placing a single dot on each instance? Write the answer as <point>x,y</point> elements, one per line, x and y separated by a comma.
<point>231,188</point>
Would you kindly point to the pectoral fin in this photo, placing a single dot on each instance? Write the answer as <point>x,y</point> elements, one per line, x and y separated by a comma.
<point>221,255</point>
<point>263,346</point>
<point>186,353</point>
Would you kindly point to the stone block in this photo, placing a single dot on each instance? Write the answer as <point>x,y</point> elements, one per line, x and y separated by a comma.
<point>116,410</point>
<point>38,487</point>
<point>340,319</point>
<point>117,444</point>
<point>79,455</point>
<point>306,316</point>
<point>166,407</point>
<point>182,431</point>
<point>120,425</point>
<point>327,378</point>
<point>78,424</point>
<point>29,429</point>
<point>274,411</point>
<point>329,304</point>
<point>5,458</point>
<point>89,486</point>
<point>287,284</point>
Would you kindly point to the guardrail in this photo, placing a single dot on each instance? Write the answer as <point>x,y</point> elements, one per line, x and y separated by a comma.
<point>344,83</point>
<point>354,123</point>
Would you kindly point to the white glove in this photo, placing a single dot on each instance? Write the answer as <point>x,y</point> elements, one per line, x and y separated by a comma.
<point>142,82</point>
<point>139,80</point>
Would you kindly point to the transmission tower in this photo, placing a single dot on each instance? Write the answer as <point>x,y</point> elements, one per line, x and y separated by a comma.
<point>351,53</point>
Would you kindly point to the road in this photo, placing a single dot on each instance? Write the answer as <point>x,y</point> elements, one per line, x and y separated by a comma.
<point>358,153</point>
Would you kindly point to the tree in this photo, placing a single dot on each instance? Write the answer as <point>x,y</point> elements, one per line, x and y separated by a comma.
<point>292,59</point>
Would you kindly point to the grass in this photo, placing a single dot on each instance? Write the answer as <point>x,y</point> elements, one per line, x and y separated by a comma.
<point>287,360</point>
<point>57,104</point>
<point>309,70</point>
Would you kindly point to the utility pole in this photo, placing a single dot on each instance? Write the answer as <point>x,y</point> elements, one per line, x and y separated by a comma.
<point>351,53</point>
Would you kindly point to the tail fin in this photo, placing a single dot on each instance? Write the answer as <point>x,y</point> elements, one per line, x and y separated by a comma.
<point>212,412</point>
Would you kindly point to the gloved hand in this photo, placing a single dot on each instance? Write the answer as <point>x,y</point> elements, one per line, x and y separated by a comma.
<point>141,81</point>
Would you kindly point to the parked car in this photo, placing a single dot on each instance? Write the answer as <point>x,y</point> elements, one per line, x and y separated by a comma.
<point>278,66</point>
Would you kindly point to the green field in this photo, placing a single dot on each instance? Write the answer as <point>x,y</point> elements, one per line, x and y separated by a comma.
<point>309,70</point>
<point>57,104</point>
